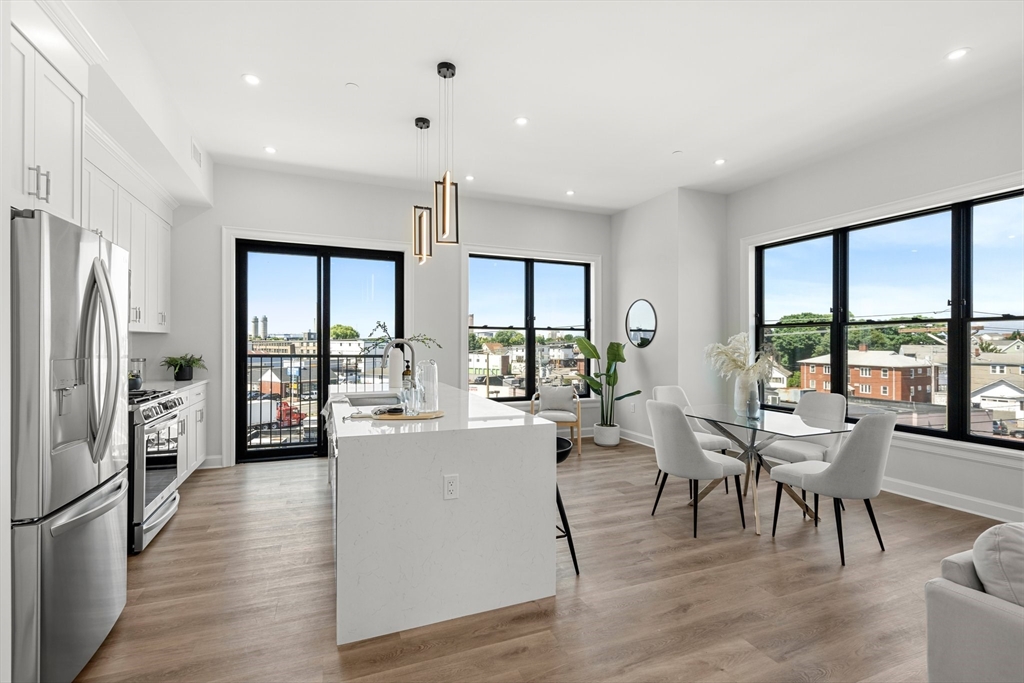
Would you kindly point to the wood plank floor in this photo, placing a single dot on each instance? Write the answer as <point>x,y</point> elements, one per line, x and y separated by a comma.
<point>239,587</point>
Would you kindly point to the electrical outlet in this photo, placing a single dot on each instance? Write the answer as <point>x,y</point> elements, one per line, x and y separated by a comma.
<point>632,407</point>
<point>451,486</point>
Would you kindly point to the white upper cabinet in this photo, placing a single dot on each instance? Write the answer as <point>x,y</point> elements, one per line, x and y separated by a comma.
<point>150,247</point>
<point>99,205</point>
<point>45,118</point>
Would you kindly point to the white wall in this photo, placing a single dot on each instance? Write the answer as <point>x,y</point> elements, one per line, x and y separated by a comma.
<point>974,153</point>
<point>669,250</point>
<point>316,209</point>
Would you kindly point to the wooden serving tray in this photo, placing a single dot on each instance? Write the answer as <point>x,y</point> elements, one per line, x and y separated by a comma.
<point>421,416</point>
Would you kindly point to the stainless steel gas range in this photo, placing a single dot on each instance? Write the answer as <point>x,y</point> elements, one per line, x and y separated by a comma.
<point>154,467</point>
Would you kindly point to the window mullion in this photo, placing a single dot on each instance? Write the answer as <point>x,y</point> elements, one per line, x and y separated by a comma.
<point>840,299</point>
<point>958,364</point>
<point>531,333</point>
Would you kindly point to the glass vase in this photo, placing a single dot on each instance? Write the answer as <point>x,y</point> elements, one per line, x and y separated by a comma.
<point>745,400</point>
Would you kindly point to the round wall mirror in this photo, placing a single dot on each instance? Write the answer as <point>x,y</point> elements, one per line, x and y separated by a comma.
<point>641,323</point>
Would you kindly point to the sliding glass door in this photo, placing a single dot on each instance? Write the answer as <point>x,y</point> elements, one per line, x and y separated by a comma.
<point>309,319</point>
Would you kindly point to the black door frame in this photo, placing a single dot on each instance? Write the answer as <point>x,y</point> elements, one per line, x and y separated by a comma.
<point>323,255</point>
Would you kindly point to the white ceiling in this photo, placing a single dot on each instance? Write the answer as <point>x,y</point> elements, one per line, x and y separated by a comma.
<point>611,89</point>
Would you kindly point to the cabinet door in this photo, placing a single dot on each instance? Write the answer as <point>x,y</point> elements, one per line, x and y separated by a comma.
<point>185,429</point>
<point>130,214</point>
<point>198,444</point>
<point>58,143</point>
<point>99,202</point>
<point>165,276</point>
<point>154,241</point>
<point>19,123</point>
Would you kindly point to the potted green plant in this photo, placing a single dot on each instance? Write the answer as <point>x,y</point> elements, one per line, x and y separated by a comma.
<point>606,432</point>
<point>182,366</point>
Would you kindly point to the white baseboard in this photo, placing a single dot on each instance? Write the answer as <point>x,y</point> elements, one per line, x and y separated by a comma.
<point>637,437</point>
<point>956,501</point>
<point>212,462</point>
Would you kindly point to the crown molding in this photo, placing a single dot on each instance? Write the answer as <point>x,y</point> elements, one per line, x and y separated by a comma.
<point>61,15</point>
<point>96,132</point>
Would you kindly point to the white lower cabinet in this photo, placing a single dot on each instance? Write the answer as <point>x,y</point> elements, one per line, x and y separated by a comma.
<point>192,438</point>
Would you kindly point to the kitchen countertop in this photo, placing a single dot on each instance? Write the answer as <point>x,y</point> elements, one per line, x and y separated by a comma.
<point>462,411</point>
<point>171,385</point>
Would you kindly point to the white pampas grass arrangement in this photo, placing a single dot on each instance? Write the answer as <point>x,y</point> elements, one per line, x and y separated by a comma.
<point>733,358</point>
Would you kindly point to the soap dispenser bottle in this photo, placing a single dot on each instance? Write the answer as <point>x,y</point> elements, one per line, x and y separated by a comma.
<point>407,377</point>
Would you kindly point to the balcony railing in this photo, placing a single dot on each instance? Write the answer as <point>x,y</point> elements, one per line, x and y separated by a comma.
<point>283,393</point>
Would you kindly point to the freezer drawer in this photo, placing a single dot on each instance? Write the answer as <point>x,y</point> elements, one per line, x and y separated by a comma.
<point>70,583</point>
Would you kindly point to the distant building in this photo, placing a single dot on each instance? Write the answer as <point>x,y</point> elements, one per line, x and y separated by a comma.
<point>255,327</point>
<point>987,368</point>
<point>881,375</point>
<point>263,327</point>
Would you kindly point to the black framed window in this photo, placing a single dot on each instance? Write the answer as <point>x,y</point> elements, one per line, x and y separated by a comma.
<point>921,314</point>
<point>524,315</point>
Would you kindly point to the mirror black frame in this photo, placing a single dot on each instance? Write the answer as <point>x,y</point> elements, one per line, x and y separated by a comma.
<point>654,331</point>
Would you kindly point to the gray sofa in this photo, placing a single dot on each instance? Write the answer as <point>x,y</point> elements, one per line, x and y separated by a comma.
<point>975,612</point>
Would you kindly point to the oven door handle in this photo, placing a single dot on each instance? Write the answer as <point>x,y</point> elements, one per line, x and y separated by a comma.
<point>152,426</point>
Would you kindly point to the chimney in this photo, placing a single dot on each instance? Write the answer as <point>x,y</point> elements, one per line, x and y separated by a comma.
<point>977,351</point>
<point>863,347</point>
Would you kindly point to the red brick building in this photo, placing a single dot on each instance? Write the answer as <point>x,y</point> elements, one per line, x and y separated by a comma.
<point>882,375</point>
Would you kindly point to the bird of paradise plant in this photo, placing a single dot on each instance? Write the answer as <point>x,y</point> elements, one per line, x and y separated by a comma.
<point>603,383</point>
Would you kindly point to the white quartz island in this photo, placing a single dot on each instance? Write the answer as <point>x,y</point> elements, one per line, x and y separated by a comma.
<point>405,556</point>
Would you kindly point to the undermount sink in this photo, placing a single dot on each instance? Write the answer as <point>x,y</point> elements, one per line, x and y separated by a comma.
<point>373,398</point>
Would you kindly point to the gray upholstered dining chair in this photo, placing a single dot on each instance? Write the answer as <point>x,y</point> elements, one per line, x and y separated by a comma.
<point>856,472</point>
<point>561,405</point>
<point>679,453</point>
<point>708,441</point>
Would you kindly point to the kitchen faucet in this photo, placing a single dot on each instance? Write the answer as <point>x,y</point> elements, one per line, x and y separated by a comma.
<point>412,352</point>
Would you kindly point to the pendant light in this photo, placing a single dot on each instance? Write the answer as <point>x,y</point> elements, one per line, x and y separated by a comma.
<point>423,246</point>
<point>446,190</point>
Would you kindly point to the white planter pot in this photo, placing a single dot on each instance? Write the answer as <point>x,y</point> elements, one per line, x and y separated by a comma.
<point>606,436</point>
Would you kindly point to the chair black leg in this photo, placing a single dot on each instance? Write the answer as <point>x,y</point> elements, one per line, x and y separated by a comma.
<point>757,473</point>
<point>871,514</point>
<point>727,481</point>
<point>842,504</point>
<point>696,488</point>
<point>660,489</point>
<point>778,499</point>
<point>803,494</point>
<point>657,477</point>
<point>815,510</point>
<point>839,529</point>
<point>739,497</point>
<point>565,526</point>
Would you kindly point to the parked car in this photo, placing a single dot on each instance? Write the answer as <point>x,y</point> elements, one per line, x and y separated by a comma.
<point>271,397</point>
<point>999,428</point>
<point>250,395</point>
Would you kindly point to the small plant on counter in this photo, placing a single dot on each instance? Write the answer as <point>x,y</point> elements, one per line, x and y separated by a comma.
<point>373,343</point>
<point>182,365</point>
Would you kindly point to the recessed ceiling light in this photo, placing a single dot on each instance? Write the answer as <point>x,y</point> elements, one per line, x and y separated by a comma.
<point>569,192</point>
<point>352,86</point>
<point>469,178</point>
<point>522,121</point>
<point>251,79</point>
<point>270,150</point>
<point>958,53</point>
<point>719,162</point>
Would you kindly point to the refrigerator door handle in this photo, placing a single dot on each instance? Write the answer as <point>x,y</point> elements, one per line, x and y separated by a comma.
<point>113,388</point>
<point>104,507</point>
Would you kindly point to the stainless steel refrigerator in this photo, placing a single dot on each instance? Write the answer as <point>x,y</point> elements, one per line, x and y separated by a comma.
<point>70,443</point>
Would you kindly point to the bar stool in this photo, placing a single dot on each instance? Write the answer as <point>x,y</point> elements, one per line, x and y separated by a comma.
<point>563,447</point>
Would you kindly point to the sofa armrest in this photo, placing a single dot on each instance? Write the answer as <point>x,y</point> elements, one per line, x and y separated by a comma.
<point>959,569</point>
<point>972,636</point>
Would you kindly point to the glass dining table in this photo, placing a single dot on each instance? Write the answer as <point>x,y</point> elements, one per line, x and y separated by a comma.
<point>753,434</point>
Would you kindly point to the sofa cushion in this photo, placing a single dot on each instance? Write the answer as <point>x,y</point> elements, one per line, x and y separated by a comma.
<point>999,562</point>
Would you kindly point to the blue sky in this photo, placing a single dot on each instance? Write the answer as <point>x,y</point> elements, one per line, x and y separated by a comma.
<point>283,287</point>
<point>497,292</point>
<point>904,268</point>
